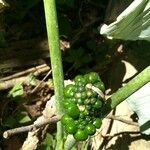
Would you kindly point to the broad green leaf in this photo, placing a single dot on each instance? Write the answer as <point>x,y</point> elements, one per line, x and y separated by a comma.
<point>132,24</point>
<point>17,90</point>
<point>140,103</point>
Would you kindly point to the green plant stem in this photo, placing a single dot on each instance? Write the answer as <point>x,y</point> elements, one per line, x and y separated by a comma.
<point>124,92</point>
<point>70,142</point>
<point>56,62</point>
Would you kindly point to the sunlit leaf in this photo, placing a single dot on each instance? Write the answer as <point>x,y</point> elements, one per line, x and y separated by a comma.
<point>140,103</point>
<point>22,117</point>
<point>132,24</point>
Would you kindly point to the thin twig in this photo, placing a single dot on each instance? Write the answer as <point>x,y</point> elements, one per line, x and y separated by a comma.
<point>122,120</point>
<point>18,130</point>
<point>33,69</point>
<point>41,82</point>
<point>10,83</point>
<point>110,136</point>
<point>41,70</point>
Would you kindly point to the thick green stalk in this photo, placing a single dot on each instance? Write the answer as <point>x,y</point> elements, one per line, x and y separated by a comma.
<point>131,87</point>
<point>56,61</point>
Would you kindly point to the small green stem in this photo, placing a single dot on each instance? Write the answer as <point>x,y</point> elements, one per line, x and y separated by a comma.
<point>56,62</point>
<point>124,92</point>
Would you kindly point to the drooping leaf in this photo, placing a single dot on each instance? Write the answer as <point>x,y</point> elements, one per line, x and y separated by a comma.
<point>132,24</point>
<point>140,103</point>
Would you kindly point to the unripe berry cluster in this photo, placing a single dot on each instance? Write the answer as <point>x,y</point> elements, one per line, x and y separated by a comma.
<point>83,106</point>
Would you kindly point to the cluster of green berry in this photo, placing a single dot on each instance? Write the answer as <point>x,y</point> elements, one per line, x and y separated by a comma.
<point>83,105</point>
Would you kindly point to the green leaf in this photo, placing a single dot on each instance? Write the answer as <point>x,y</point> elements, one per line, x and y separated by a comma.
<point>17,90</point>
<point>140,103</point>
<point>22,117</point>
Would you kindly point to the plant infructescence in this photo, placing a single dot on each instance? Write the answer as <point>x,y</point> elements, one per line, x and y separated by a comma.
<point>86,103</point>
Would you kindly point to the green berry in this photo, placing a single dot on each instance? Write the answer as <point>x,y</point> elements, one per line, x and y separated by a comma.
<point>69,90</point>
<point>87,101</point>
<point>80,101</point>
<point>89,93</point>
<point>98,104</point>
<point>79,78</point>
<point>77,95</point>
<point>86,112</point>
<point>73,111</point>
<point>68,101</point>
<point>90,129</point>
<point>97,122</point>
<point>92,77</point>
<point>80,88</point>
<point>89,107</point>
<point>66,119</point>
<point>84,95</point>
<point>71,127</point>
<point>81,135</point>
<point>93,100</point>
